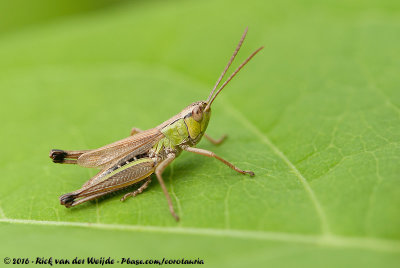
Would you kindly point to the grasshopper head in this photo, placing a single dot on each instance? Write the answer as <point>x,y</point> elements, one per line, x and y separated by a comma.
<point>196,119</point>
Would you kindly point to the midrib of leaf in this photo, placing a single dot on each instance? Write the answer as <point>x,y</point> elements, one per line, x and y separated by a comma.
<point>374,244</point>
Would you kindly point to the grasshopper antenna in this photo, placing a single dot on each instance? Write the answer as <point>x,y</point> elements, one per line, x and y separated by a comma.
<point>232,75</point>
<point>229,63</point>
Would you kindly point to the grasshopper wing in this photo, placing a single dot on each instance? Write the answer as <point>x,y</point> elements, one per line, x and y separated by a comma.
<point>133,145</point>
<point>109,181</point>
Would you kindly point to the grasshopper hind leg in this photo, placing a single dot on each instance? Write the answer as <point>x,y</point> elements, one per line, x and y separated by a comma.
<point>66,157</point>
<point>138,191</point>
<point>72,199</point>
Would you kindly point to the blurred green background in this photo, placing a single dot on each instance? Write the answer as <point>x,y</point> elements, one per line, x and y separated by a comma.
<point>315,115</point>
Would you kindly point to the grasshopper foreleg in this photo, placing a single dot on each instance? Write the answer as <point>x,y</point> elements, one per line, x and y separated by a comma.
<point>159,170</point>
<point>212,154</point>
<point>66,157</point>
<point>138,191</point>
<point>214,141</point>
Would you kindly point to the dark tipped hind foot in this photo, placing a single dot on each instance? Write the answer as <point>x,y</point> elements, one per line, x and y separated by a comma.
<point>58,156</point>
<point>66,157</point>
<point>67,200</point>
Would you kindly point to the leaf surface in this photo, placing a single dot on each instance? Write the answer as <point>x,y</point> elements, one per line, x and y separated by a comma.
<point>315,115</point>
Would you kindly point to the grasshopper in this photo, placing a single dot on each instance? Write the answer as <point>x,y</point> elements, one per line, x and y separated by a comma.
<point>137,157</point>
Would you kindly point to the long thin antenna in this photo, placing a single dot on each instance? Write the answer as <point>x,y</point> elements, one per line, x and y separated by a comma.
<point>232,75</point>
<point>229,63</point>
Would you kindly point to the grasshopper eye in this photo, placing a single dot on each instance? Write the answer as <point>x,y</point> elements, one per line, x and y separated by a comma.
<point>197,113</point>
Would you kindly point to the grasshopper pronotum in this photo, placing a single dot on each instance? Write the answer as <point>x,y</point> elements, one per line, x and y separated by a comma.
<point>135,158</point>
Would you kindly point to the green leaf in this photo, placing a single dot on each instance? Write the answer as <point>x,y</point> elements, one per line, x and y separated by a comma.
<point>23,13</point>
<point>316,115</point>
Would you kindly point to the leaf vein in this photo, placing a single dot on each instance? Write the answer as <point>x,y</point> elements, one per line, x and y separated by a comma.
<point>226,210</point>
<point>2,214</point>
<point>264,138</point>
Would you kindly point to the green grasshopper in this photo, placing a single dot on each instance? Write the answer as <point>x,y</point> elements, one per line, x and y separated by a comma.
<point>134,159</point>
